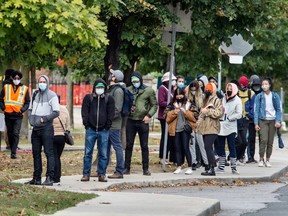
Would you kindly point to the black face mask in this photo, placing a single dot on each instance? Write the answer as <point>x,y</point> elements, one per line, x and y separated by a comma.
<point>256,88</point>
<point>207,93</point>
<point>229,93</point>
<point>180,100</point>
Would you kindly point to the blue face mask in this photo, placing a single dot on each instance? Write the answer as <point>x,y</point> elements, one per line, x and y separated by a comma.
<point>180,85</point>
<point>136,85</point>
<point>99,91</point>
<point>42,86</point>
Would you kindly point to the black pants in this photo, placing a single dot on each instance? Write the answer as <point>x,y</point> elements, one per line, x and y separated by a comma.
<point>43,137</point>
<point>59,144</point>
<point>132,128</point>
<point>169,140</point>
<point>252,138</point>
<point>182,141</point>
<point>241,140</point>
<point>209,140</point>
<point>13,132</point>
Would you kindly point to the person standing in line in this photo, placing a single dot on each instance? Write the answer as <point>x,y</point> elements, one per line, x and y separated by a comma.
<point>195,96</point>
<point>144,107</point>
<point>43,109</point>
<point>162,104</point>
<point>97,113</point>
<point>7,80</point>
<point>115,89</point>
<point>14,101</point>
<point>256,88</point>
<point>203,81</point>
<point>180,81</point>
<point>179,116</point>
<point>267,117</point>
<point>208,124</point>
<point>228,127</point>
<point>59,139</point>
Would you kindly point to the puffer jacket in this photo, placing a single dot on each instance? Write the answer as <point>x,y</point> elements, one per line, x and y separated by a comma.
<point>209,123</point>
<point>171,119</point>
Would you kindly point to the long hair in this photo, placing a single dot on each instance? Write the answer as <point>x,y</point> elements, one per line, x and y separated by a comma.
<point>269,80</point>
<point>179,91</point>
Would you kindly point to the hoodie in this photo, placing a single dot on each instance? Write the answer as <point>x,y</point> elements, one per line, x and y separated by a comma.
<point>232,112</point>
<point>45,105</point>
<point>98,110</point>
<point>145,101</point>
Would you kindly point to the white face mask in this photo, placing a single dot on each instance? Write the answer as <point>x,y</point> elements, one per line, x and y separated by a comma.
<point>193,92</point>
<point>16,82</point>
<point>265,87</point>
<point>173,83</point>
<point>99,91</point>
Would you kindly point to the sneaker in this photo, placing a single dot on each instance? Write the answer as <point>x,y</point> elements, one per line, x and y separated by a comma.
<point>189,171</point>
<point>85,178</point>
<point>220,171</point>
<point>13,156</point>
<point>239,163</point>
<point>194,166</point>
<point>102,179</point>
<point>261,164</point>
<point>178,170</point>
<point>33,182</point>
<point>126,171</point>
<point>267,164</point>
<point>146,173</point>
<point>234,171</point>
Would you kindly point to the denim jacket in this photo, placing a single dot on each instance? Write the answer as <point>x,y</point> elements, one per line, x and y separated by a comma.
<point>260,107</point>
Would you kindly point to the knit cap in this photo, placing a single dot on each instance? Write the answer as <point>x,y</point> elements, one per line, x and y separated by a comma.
<point>118,75</point>
<point>243,80</point>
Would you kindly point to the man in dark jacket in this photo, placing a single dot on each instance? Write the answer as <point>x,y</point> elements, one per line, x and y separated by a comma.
<point>144,107</point>
<point>14,101</point>
<point>97,112</point>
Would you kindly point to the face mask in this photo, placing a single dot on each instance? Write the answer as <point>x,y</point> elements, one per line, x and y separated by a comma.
<point>207,94</point>
<point>136,85</point>
<point>193,92</point>
<point>229,93</point>
<point>173,83</point>
<point>180,85</point>
<point>42,86</point>
<point>256,88</point>
<point>16,82</point>
<point>99,91</point>
<point>265,87</point>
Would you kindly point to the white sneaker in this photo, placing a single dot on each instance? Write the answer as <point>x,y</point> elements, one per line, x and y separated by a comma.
<point>238,163</point>
<point>267,164</point>
<point>189,171</point>
<point>261,164</point>
<point>178,170</point>
<point>219,171</point>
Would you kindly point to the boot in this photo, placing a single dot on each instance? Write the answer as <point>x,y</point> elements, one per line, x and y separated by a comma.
<point>211,172</point>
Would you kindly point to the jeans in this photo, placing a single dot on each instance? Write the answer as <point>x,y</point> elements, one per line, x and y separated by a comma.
<point>133,127</point>
<point>13,131</point>
<point>115,141</point>
<point>59,144</point>
<point>231,145</point>
<point>43,137</point>
<point>102,145</point>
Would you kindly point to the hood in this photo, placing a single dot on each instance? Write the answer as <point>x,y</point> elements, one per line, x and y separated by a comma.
<point>99,81</point>
<point>256,81</point>
<point>47,81</point>
<point>203,79</point>
<point>137,74</point>
<point>234,90</point>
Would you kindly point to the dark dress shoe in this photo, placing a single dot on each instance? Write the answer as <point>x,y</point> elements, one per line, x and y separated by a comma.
<point>48,181</point>
<point>33,182</point>
<point>126,172</point>
<point>85,178</point>
<point>102,179</point>
<point>147,173</point>
<point>116,175</point>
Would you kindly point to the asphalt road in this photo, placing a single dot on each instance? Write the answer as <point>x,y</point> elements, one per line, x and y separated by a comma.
<point>266,198</point>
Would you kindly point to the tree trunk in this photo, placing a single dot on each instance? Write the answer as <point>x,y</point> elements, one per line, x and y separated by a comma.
<point>111,59</point>
<point>25,81</point>
<point>70,96</point>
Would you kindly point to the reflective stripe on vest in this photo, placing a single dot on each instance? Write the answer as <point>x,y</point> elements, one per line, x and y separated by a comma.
<point>14,100</point>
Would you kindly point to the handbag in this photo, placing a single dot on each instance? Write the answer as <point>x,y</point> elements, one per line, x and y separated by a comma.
<point>68,136</point>
<point>187,128</point>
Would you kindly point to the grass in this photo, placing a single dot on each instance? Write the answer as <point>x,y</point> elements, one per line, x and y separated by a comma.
<point>18,199</point>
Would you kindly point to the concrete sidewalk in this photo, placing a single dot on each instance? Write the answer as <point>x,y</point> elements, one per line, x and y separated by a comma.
<point>117,203</point>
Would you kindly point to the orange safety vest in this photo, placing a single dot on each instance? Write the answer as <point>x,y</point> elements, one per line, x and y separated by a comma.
<point>14,100</point>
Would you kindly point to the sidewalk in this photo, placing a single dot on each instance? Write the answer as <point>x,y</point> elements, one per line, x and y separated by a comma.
<point>122,203</point>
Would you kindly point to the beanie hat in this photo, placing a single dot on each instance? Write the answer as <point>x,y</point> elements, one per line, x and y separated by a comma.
<point>118,75</point>
<point>166,76</point>
<point>15,73</point>
<point>243,80</point>
<point>214,78</point>
<point>209,87</point>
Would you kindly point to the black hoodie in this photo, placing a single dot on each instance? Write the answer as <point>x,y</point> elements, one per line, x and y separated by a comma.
<point>98,111</point>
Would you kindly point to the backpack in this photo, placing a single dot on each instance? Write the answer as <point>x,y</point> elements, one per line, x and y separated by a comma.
<point>34,95</point>
<point>128,100</point>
